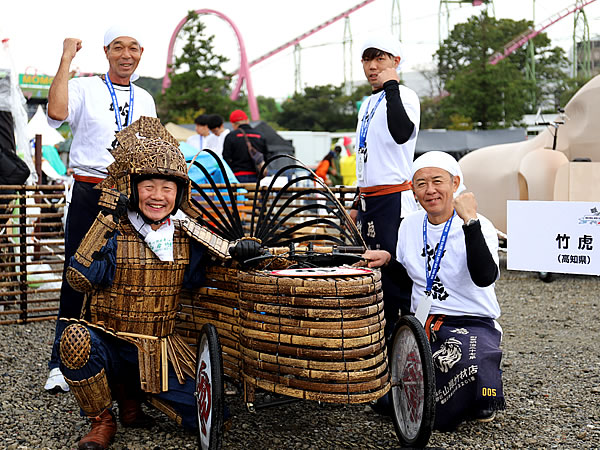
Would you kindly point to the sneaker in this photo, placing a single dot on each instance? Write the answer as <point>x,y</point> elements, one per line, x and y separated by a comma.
<point>485,416</point>
<point>56,382</point>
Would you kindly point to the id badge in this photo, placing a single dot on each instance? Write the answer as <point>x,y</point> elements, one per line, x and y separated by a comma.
<point>423,308</point>
<point>360,165</point>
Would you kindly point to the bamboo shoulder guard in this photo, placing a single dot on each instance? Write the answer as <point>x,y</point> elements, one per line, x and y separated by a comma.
<point>215,244</point>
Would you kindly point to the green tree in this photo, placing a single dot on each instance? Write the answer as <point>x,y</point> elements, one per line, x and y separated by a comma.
<point>319,108</point>
<point>269,110</point>
<point>198,82</point>
<point>492,95</point>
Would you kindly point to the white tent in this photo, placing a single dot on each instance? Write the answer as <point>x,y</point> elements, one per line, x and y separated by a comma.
<point>180,133</point>
<point>39,125</point>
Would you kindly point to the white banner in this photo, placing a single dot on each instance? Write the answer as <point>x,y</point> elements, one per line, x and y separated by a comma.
<point>559,237</point>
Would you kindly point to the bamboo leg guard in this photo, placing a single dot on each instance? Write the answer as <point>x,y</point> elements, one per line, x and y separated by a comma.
<point>92,394</point>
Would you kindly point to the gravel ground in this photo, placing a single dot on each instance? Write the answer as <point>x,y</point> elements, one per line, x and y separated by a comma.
<point>551,379</point>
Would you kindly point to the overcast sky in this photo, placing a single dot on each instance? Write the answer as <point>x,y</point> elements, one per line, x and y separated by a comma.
<point>37,28</point>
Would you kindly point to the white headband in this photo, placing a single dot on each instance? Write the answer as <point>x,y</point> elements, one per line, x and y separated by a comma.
<point>117,31</point>
<point>385,42</point>
<point>441,160</point>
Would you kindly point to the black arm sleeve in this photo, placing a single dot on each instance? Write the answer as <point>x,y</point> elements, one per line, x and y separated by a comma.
<point>399,125</point>
<point>481,264</point>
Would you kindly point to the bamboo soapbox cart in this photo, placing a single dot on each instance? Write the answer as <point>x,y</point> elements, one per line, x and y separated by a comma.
<point>299,321</point>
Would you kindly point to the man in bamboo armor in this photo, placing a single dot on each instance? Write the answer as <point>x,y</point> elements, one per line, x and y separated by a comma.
<point>132,265</point>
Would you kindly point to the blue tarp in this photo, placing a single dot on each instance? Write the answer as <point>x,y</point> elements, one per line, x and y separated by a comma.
<point>50,154</point>
<point>208,162</point>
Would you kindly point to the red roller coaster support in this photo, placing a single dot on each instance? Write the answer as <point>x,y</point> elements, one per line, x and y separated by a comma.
<point>310,32</point>
<point>523,38</point>
<point>243,72</point>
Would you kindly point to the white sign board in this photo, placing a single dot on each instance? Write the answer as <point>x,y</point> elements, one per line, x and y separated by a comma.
<point>559,237</point>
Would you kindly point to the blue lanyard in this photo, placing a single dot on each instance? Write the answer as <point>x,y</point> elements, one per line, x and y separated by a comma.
<point>113,95</point>
<point>366,120</point>
<point>430,276</point>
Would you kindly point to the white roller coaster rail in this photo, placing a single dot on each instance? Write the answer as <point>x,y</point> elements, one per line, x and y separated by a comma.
<point>523,38</point>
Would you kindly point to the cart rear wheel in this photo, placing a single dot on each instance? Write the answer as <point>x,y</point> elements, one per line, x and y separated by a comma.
<point>209,389</point>
<point>413,383</point>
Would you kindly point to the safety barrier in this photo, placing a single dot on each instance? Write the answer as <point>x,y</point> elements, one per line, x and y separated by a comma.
<point>31,252</point>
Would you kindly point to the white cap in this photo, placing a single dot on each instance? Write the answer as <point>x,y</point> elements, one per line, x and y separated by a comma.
<point>385,42</point>
<point>120,30</point>
<point>440,160</point>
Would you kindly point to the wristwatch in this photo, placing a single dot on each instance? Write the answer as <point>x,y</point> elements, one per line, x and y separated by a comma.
<point>471,221</point>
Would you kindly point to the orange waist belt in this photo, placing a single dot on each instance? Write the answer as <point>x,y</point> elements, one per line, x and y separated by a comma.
<point>87,179</point>
<point>384,189</point>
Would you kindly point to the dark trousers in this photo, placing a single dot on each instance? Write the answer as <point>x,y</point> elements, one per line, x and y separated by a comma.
<point>83,210</point>
<point>247,178</point>
<point>119,359</point>
<point>378,222</point>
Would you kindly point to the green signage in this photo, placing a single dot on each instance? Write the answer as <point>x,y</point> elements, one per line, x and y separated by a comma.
<point>36,86</point>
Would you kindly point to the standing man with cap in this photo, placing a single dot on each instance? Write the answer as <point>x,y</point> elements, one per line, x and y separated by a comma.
<point>96,108</point>
<point>235,147</point>
<point>451,254</point>
<point>386,134</point>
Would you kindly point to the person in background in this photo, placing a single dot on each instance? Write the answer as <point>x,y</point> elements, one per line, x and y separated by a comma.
<point>451,254</point>
<point>200,140</point>
<point>96,108</point>
<point>217,129</point>
<point>324,166</point>
<point>235,147</point>
<point>335,170</point>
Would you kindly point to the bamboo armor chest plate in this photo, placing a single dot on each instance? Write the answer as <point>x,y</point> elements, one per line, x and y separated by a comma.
<point>143,298</point>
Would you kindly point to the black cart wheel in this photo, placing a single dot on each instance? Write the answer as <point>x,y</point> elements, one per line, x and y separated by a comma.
<point>209,389</point>
<point>413,383</point>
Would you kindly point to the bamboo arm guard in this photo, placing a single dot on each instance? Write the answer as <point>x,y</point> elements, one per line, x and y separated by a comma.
<point>216,245</point>
<point>94,261</point>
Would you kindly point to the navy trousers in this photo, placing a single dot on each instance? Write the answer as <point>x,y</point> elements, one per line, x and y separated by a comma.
<point>378,221</point>
<point>119,359</point>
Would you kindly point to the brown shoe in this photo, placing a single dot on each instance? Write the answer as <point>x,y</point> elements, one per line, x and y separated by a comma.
<point>131,414</point>
<point>104,428</point>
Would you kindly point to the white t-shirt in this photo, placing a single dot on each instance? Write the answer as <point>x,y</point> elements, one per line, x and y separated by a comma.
<point>221,139</point>
<point>200,142</point>
<point>454,293</point>
<point>387,161</point>
<point>92,120</point>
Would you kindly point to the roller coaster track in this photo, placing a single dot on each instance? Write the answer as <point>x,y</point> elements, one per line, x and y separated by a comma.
<point>526,36</point>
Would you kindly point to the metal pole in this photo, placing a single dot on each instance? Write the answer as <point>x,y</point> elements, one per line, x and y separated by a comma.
<point>23,251</point>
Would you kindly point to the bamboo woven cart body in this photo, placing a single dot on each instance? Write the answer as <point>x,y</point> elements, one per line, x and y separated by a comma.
<point>315,338</point>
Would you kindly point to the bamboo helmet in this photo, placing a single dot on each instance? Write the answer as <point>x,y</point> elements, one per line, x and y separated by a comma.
<point>145,149</point>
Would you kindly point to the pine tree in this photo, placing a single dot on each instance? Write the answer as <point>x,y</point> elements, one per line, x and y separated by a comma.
<point>199,85</point>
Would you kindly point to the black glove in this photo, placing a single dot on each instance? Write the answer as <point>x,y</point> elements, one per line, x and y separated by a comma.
<point>114,203</point>
<point>246,249</point>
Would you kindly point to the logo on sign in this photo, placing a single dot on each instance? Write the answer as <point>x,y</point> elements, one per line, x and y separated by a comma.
<point>591,219</point>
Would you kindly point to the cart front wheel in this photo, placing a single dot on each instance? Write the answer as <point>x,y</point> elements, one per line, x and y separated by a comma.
<point>209,389</point>
<point>413,383</point>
